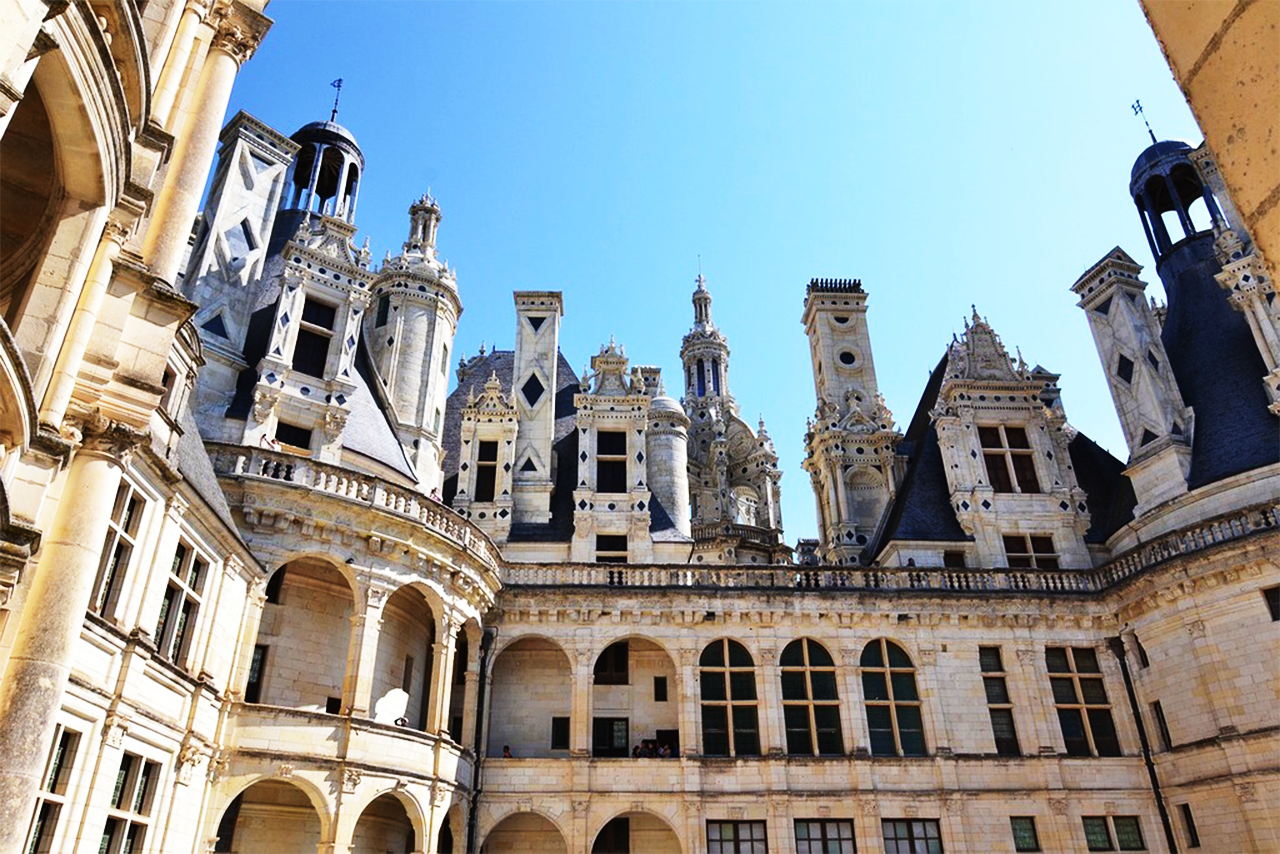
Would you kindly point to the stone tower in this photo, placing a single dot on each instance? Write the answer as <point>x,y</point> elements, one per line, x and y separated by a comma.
<point>410,334</point>
<point>851,442</point>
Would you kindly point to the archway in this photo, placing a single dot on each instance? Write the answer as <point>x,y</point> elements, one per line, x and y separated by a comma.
<point>269,816</point>
<point>633,700</point>
<point>638,832</point>
<point>300,658</point>
<point>403,668</point>
<point>531,698</point>
<point>384,827</point>
<point>524,833</point>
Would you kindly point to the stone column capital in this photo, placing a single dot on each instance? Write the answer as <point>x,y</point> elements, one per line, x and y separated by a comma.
<point>97,434</point>
<point>238,29</point>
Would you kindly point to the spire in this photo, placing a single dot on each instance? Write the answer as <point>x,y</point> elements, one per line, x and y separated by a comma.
<point>337,84</point>
<point>701,303</point>
<point>1138,111</point>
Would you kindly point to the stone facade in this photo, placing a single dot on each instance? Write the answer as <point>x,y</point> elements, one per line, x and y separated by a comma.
<point>267,585</point>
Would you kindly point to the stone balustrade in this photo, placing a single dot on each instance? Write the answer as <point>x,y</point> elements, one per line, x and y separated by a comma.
<point>261,463</point>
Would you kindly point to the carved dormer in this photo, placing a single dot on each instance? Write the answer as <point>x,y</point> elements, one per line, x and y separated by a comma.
<point>611,499</point>
<point>1006,458</point>
<point>306,379</point>
<point>485,471</point>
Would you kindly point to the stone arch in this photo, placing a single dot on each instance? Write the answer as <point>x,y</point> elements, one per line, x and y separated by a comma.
<point>300,657</point>
<point>405,659</point>
<point>451,837</point>
<point>625,687</point>
<point>531,684</point>
<point>465,655</point>
<point>642,830</point>
<point>266,810</point>
<point>525,832</point>
<point>390,820</point>
<point>865,495</point>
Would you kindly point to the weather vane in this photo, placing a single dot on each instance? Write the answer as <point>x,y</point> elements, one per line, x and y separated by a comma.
<point>1137,111</point>
<point>337,84</point>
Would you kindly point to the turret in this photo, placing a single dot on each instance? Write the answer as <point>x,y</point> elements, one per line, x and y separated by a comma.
<point>851,442</point>
<point>410,334</point>
<point>325,178</point>
<point>704,353</point>
<point>667,447</point>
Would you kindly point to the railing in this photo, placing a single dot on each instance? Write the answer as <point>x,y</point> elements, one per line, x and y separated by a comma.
<point>1230,526</point>
<point>264,464</point>
<point>749,533</point>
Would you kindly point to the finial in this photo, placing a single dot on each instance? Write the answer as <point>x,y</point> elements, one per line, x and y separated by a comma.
<point>337,84</point>
<point>481,348</point>
<point>1138,111</point>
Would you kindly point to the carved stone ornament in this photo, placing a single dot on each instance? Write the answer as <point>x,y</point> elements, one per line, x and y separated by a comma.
<point>218,763</point>
<point>335,421</point>
<point>239,30</point>
<point>114,729</point>
<point>285,771</point>
<point>188,759</point>
<point>99,434</point>
<point>351,779</point>
<point>265,402</point>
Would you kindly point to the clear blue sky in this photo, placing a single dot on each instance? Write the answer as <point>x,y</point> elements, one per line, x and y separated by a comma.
<point>946,154</point>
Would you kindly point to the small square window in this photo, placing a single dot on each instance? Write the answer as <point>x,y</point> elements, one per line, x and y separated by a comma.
<point>660,689</point>
<point>1024,833</point>
<point>559,733</point>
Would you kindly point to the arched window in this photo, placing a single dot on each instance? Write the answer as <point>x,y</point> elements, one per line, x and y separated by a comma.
<point>702,378</point>
<point>893,704</point>
<point>730,717</point>
<point>810,706</point>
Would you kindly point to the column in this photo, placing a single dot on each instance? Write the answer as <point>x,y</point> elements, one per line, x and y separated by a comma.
<point>471,693</point>
<point>580,707</point>
<point>442,672</point>
<point>237,36</point>
<point>690,696</point>
<point>1187,228</point>
<point>357,686</point>
<point>853,718</point>
<point>62,586</point>
<point>176,65</point>
<point>83,321</point>
<point>773,739</point>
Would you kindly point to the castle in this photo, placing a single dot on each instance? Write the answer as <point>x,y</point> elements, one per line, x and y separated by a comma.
<point>281,572</point>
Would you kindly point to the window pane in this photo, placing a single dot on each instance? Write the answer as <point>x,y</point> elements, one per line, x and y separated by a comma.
<point>1016,437</point>
<point>1096,835</point>
<point>989,659</point>
<point>1064,691</point>
<point>1025,471</point>
<point>1128,834</point>
<point>713,685</point>
<point>713,655</point>
<point>998,472</point>
<point>310,353</point>
<point>1093,692</point>
<point>1056,658</point>
<point>1086,660</point>
<point>989,437</point>
<point>742,685</point>
<point>897,657</point>
<point>715,730</point>
<point>1005,734</point>
<point>1024,834</point>
<point>904,686</point>
<point>738,655</point>
<point>871,655</point>
<point>824,684</point>
<point>874,687</point>
<point>1042,545</point>
<point>793,656</point>
<point>1073,732</point>
<point>997,691</point>
<point>793,685</point>
<point>1104,732</point>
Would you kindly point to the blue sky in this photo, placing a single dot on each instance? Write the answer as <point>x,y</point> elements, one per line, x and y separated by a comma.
<point>947,154</point>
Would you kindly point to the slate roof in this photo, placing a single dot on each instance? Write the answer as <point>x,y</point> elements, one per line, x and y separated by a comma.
<point>196,468</point>
<point>1217,366</point>
<point>922,509</point>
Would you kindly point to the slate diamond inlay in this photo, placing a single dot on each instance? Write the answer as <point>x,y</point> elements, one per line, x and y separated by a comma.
<point>532,390</point>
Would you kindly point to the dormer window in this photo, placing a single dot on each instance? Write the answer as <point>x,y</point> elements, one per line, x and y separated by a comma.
<point>311,350</point>
<point>1033,551</point>
<point>1007,454</point>
<point>294,439</point>
<point>486,471</point>
<point>611,461</point>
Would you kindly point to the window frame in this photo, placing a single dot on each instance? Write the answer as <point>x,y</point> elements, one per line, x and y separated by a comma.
<point>1107,823</point>
<point>51,797</point>
<point>612,548</point>
<point>611,460</point>
<point>486,472</point>
<point>607,670</point>
<point>124,535</point>
<point>186,594</point>
<point>1015,462</point>
<point>317,331</point>
<point>731,703</point>
<point>737,845</point>
<point>887,671</point>
<point>130,809</point>
<point>824,841</point>
<point>1035,834</point>
<point>1031,555</point>
<point>1081,705</point>
<point>911,840</point>
<point>999,676</point>
<point>809,704</point>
